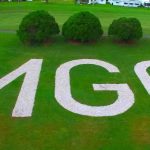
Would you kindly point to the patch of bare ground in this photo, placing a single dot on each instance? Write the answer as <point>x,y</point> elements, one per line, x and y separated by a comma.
<point>140,130</point>
<point>75,42</point>
<point>124,43</point>
<point>48,42</point>
<point>90,135</point>
<point>4,129</point>
<point>36,136</point>
<point>47,133</point>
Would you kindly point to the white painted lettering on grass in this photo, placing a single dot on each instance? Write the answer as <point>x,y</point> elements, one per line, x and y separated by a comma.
<point>25,101</point>
<point>63,91</point>
<point>141,71</point>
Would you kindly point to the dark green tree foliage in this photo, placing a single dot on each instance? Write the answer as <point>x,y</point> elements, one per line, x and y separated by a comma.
<point>37,28</point>
<point>126,29</point>
<point>82,27</point>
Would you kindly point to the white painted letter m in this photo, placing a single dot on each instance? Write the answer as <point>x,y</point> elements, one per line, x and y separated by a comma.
<point>25,102</point>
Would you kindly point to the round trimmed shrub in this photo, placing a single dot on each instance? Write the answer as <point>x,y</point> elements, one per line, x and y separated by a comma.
<point>82,27</point>
<point>37,28</point>
<point>126,29</point>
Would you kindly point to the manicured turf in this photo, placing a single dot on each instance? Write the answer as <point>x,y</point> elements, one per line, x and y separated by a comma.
<point>51,126</point>
<point>12,13</point>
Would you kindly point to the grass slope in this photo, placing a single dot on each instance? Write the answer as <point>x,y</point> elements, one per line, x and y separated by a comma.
<point>51,126</point>
<point>12,13</point>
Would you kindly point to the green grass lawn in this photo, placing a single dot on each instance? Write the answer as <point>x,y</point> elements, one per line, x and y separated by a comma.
<point>12,13</point>
<point>51,127</point>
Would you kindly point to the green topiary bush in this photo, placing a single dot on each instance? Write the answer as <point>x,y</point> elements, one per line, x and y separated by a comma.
<point>37,28</point>
<point>126,29</point>
<point>82,27</point>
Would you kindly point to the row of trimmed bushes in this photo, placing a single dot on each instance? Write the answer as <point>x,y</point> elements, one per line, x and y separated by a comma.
<point>38,27</point>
